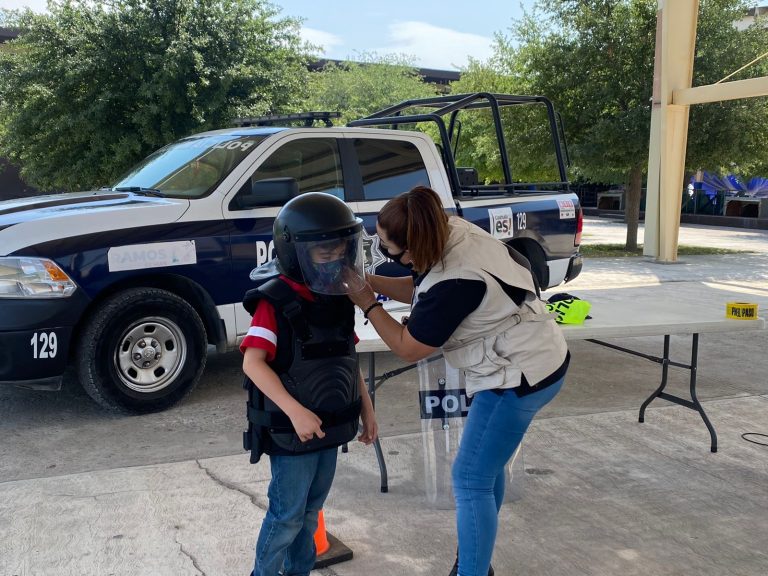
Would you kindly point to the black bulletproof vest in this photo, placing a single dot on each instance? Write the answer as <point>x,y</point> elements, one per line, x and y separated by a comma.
<point>316,362</point>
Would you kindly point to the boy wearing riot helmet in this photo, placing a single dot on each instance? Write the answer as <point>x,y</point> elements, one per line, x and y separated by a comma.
<point>305,389</point>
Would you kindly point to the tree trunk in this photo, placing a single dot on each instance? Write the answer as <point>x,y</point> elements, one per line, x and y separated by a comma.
<point>632,206</point>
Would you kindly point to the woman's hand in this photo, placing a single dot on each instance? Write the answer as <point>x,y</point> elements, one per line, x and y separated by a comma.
<point>363,297</point>
<point>307,424</point>
<point>370,426</point>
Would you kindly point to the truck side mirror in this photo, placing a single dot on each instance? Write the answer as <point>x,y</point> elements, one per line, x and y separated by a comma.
<point>268,192</point>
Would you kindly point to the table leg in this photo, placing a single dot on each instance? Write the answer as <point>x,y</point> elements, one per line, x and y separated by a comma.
<point>665,362</point>
<point>693,403</point>
<point>699,407</point>
<point>377,442</point>
<point>664,373</point>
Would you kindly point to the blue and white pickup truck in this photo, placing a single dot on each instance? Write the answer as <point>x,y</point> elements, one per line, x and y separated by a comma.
<point>130,284</point>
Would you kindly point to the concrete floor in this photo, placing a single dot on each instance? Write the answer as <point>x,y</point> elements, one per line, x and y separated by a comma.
<point>85,493</point>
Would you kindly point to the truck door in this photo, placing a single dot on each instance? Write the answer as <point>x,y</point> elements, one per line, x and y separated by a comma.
<point>315,164</point>
<point>386,167</point>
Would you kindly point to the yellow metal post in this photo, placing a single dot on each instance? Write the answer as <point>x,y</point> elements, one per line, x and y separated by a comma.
<point>651,236</point>
<point>678,37</point>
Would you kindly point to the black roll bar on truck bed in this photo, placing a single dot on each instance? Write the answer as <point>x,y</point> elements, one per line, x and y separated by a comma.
<point>450,106</point>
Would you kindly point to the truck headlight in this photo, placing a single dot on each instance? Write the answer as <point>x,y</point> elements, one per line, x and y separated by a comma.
<point>23,277</point>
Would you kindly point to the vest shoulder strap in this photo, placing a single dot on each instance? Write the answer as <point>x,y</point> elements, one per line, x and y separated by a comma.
<point>288,303</point>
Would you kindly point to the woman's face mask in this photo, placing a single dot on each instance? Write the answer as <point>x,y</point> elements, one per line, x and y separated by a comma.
<point>396,257</point>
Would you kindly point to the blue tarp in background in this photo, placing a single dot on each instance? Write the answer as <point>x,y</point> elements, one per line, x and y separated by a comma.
<point>711,184</point>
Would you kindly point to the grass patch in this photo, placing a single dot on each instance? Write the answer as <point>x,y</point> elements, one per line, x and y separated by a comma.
<point>618,251</point>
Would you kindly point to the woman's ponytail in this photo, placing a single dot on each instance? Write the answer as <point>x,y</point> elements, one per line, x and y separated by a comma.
<point>427,228</point>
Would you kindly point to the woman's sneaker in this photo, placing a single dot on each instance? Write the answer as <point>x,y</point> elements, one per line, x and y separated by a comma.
<point>455,569</point>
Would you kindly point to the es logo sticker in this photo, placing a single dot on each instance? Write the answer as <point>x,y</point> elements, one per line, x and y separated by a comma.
<point>501,223</point>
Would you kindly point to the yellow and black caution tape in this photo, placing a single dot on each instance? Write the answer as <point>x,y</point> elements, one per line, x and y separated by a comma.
<point>741,311</point>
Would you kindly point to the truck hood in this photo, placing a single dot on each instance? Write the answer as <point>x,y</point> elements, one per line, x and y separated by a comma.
<point>29,221</point>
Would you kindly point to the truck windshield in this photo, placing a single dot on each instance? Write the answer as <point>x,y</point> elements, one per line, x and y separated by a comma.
<point>189,168</point>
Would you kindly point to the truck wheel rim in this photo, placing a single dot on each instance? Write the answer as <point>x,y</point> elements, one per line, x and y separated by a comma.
<point>150,354</point>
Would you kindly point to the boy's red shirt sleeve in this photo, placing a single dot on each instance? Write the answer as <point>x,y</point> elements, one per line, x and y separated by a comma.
<point>263,331</point>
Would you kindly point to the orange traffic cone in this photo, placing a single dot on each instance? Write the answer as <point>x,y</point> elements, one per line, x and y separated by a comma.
<point>330,550</point>
<point>321,538</point>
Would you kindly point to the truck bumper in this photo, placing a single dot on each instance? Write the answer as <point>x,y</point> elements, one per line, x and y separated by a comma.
<point>35,339</point>
<point>574,267</point>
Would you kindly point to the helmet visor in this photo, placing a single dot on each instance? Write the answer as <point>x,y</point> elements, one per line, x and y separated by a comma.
<point>332,266</point>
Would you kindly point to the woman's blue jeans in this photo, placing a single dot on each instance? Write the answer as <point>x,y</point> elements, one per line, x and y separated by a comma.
<point>494,429</point>
<point>297,491</point>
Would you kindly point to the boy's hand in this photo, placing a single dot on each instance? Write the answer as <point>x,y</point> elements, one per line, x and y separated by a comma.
<point>370,427</point>
<point>307,425</point>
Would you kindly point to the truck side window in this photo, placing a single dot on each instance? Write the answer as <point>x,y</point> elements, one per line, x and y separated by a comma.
<point>389,167</point>
<point>313,162</point>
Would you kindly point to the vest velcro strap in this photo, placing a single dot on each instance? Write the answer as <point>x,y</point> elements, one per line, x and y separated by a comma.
<point>348,414</point>
<point>265,419</point>
<point>285,299</point>
<point>279,422</point>
<point>292,312</point>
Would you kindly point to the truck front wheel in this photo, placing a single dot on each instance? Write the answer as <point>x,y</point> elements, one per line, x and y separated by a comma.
<point>141,351</point>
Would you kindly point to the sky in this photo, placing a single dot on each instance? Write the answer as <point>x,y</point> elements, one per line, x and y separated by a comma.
<point>438,35</point>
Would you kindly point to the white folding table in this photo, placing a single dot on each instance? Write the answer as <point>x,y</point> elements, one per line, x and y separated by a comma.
<point>612,317</point>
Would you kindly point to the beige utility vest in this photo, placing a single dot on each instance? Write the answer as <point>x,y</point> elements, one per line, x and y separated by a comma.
<point>499,341</point>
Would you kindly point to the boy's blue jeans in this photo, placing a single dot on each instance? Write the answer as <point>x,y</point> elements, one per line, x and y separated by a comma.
<point>296,494</point>
<point>494,429</point>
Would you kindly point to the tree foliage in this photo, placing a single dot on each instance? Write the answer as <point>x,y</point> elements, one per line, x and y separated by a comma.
<point>357,89</point>
<point>90,88</point>
<point>527,133</point>
<point>594,59</point>
<point>730,136</point>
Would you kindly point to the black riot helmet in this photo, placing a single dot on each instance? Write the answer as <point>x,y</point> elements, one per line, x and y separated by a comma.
<point>318,241</point>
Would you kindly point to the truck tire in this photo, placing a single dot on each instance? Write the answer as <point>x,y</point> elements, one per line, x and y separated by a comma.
<point>141,351</point>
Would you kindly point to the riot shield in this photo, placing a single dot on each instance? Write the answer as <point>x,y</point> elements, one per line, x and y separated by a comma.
<point>444,407</point>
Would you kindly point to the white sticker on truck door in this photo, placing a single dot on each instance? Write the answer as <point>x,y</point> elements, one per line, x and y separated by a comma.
<point>154,255</point>
<point>567,209</point>
<point>500,220</point>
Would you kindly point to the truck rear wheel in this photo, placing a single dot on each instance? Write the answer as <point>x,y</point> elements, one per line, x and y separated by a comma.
<point>141,351</point>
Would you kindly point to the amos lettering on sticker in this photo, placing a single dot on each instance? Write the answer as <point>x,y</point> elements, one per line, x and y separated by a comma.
<point>153,255</point>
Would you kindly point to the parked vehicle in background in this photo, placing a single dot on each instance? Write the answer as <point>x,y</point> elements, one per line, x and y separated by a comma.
<point>130,284</point>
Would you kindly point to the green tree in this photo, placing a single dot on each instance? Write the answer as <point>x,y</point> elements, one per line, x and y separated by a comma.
<point>730,136</point>
<point>594,59</point>
<point>357,89</point>
<point>91,87</point>
<point>527,133</point>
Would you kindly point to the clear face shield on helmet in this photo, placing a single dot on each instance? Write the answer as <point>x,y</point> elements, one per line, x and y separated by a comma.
<point>332,266</point>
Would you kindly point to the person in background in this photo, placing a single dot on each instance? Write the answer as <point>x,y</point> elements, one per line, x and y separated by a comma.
<point>305,390</point>
<point>471,299</point>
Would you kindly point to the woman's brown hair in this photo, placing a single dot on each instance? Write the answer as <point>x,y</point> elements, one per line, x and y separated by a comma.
<point>416,221</point>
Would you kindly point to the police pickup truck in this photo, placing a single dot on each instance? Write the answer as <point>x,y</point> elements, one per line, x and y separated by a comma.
<point>130,284</point>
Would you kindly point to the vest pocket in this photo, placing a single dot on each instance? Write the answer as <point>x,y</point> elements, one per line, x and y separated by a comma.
<point>480,363</point>
<point>466,355</point>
